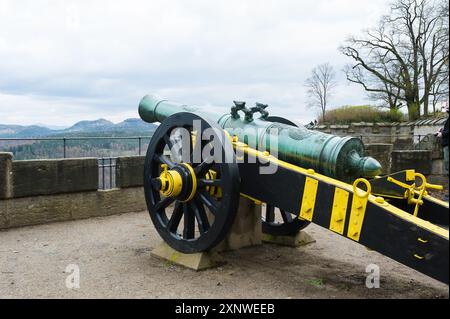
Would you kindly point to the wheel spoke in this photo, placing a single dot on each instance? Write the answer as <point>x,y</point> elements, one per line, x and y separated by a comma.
<point>199,148</point>
<point>186,147</point>
<point>287,218</point>
<point>189,222</point>
<point>168,141</point>
<point>175,219</point>
<point>174,148</point>
<point>164,160</point>
<point>202,182</point>
<point>201,169</point>
<point>162,204</point>
<point>200,215</point>
<point>156,184</point>
<point>270,214</point>
<point>210,202</point>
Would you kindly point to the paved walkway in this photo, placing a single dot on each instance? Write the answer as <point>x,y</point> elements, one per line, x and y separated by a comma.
<point>113,257</point>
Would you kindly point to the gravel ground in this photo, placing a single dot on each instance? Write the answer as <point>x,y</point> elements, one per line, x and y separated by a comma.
<point>113,255</point>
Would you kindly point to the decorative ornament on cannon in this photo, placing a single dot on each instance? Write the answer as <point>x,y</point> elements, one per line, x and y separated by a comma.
<point>199,163</point>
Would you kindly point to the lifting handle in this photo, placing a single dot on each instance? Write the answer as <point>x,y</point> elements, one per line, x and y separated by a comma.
<point>411,190</point>
<point>240,106</point>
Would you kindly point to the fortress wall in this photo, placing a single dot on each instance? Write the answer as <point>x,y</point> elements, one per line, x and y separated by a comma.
<point>26,211</point>
<point>401,135</point>
<point>47,177</point>
<point>42,191</point>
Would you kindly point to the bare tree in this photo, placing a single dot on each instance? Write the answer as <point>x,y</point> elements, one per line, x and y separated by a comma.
<point>405,57</point>
<point>320,86</point>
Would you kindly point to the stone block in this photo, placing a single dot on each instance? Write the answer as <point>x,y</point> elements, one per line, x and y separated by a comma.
<point>382,153</point>
<point>38,210</point>
<point>45,177</point>
<point>300,239</point>
<point>246,229</point>
<point>197,261</point>
<point>437,167</point>
<point>5,175</point>
<point>419,160</point>
<point>130,171</point>
<point>3,220</point>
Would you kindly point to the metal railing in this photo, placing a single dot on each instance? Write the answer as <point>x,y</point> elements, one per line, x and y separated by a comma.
<point>107,173</point>
<point>408,141</point>
<point>106,165</point>
<point>64,141</point>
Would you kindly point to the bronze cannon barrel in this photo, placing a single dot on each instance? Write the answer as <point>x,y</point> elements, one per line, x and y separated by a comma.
<point>337,157</point>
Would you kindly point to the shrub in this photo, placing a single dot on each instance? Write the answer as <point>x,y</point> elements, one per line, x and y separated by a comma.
<point>362,113</point>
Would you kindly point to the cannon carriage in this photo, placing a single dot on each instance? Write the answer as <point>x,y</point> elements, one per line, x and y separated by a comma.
<point>198,164</point>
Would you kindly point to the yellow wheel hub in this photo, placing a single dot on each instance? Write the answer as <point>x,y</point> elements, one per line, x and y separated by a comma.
<point>171,182</point>
<point>194,182</point>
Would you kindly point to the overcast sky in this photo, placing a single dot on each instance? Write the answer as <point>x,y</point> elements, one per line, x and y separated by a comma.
<point>65,61</point>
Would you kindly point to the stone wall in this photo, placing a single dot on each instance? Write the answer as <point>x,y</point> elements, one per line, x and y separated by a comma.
<point>26,211</point>
<point>382,153</point>
<point>130,171</point>
<point>408,137</point>
<point>419,160</point>
<point>401,135</point>
<point>42,191</point>
<point>47,177</point>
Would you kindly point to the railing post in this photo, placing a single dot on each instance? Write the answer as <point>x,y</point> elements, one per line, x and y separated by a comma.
<point>140,138</point>
<point>110,173</point>
<point>103,172</point>
<point>64,147</point>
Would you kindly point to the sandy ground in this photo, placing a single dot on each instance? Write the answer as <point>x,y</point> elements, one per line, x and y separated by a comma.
<point>113,255</point>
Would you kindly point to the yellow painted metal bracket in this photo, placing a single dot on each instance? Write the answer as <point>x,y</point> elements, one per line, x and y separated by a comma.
<point>339,211</point>
<point>309,199</point>
<point>359,205</point>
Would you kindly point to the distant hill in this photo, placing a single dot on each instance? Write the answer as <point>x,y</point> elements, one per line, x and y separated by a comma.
<point>24,131</point>
<point>90,126</point>
<point>100,127</point>
<point>107,147</point>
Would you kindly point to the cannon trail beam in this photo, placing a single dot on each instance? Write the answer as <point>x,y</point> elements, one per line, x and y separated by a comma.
<point>351,212</point>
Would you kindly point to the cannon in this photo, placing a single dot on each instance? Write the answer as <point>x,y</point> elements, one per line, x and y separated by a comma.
<point>199,163</point>
<point>334,156</point>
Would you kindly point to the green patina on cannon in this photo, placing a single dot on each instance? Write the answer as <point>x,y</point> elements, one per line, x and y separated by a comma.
<point>319,178</point>
<point>334,156</point>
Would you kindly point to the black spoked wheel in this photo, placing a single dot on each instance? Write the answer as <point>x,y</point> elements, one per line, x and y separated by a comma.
<point>188,159</point>
<point>279,222</point>
<point>275,221</point>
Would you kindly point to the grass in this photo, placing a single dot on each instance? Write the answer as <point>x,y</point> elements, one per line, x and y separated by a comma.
<point>318,283</point>
<point>362,113</point>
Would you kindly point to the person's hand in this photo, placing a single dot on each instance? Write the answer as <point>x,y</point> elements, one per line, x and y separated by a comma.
<point>439,134</point>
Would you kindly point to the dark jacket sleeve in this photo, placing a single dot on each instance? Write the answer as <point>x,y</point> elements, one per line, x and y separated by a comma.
<point>445,134</point>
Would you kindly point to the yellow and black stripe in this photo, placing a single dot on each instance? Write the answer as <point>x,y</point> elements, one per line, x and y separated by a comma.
<point>352,212</point>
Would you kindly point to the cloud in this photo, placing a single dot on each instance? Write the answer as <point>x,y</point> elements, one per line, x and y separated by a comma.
<point>97,58</point>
